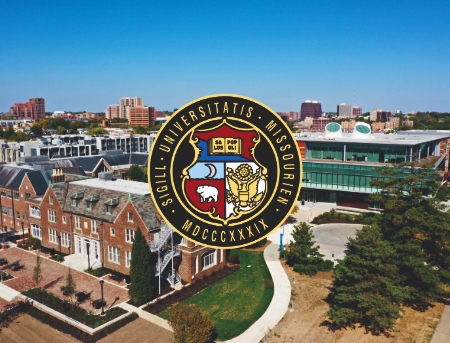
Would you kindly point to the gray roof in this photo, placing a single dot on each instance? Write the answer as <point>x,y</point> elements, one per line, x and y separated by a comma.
<point>39,182</point>
<point>98,197</point>
<point>11,177</point>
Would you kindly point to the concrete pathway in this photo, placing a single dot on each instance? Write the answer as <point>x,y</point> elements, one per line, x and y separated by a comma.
<point>8,293</point>
<point>279,304</point>
<point>442,332</point>
<point>147,316</point>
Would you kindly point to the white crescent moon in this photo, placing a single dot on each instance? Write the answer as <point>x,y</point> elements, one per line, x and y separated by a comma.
<point>212,170</point>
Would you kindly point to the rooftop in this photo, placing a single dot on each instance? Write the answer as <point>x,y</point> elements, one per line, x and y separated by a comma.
<point>401,138</point>
<point>119,185</point>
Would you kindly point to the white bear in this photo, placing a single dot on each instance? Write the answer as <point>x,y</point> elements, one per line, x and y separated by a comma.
<point>207,193</point>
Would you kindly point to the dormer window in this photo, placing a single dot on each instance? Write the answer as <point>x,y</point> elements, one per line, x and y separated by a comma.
<point>75,197</point>
<point>110,204</point>
<point>91,200</point>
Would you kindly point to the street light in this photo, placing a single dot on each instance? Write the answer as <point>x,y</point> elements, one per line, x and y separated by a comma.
<point>88,248</point>
<point>23,234</point>
<point>59,238</point>
<point>101,285</point>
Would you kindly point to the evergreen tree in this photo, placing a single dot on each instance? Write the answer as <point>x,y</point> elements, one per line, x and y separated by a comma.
<point>302,254</point>
<point>137,173</point>
<point>365,289</point>
<point>142,273</point>
<point>37,271</point>
<point>419,231</point>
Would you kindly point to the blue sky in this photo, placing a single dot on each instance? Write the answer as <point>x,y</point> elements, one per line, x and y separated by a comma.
<point>85,55</point>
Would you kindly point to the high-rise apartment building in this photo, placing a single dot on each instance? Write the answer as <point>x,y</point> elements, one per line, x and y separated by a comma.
<point>311,109</point>
<point>142,116</point>
<point>348,111</point>
<point>40,106</point>
<point>379,115</point>
<point>126,104</point>
<point>112,111</point>
<point>27,110</point>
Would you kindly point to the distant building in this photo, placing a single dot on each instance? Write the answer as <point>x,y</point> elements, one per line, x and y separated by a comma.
<point>379,115</point>
<point>27,110</point>
<point>126,104</point>
<point>409,123</point>
<point>142,116</point>
<point>311,109</point>
<point>112,111</point>
<point>320,123</point>
<point>392,123</point>
<point>348,111</point>
<point>40,106</point>
<point>348,125</point>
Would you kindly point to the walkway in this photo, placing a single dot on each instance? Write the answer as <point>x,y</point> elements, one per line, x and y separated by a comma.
<point>279,304</point>
<point>147,316</point>
<point>442,332</point>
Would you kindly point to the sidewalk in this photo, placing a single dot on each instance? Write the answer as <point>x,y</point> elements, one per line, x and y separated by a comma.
<point>442,332</point>
<point>279,304</point>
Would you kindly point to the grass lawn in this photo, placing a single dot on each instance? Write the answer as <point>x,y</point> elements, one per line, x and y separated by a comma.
<point>237,301</point>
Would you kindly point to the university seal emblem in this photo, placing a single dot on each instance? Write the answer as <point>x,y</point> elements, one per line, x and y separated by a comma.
<point>224,171</point>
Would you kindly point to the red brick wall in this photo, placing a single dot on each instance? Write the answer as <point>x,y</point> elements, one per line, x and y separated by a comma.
<point>187,266</point>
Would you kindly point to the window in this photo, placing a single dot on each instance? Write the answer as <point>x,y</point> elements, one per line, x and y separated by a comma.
<point>208,259</point>
<point>53,236</point>
<point>114,254</point>
<point>128,258</point>
<point>64,219</point>
<point>36,231</point>
<point>10,211</point>
<point>5,228</point>
<point>27,195</point>
<point>52,216</point>
<point>35,211</point>
<point>130,217</point>
<point>17,215</point>
<point>3,193</point>
<point>94,226</point>
<point>89,206</point>
<point>129,235</point>
<point>184,241</point>
<point>4,209</point>
<point>74,202</point>
<point>108,209</point>
<point>50,200</point>
<point>65,239</point>
<point>9,194</point>
<point>112,232</point>
<point>77,222</point>
<point>16,196</point>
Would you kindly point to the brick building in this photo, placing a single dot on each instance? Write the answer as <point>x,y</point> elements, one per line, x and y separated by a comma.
<point>96,220</point>
<point>142,116</point>
<point>27,110</point>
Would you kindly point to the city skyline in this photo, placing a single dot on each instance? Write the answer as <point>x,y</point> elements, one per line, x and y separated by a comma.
<point>88,55</point>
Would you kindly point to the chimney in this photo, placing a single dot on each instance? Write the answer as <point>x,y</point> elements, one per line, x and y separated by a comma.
<point>57,175</point>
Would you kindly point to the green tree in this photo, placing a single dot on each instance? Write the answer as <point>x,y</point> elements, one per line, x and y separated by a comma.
<point>96,131</point>
<point>70,287</point>
<point>302,254</point>
<point>61,130</point>
<point>190,324</point>
<point>137,173</point>
<point>36,129</point>
<point>419,231</point>
<point>37,271</point>
<point>366,288</point>
<point>142,274</point>
<point>139,130</point>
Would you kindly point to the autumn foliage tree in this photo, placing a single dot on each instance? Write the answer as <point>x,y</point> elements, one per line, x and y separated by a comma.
<point>190,324</point>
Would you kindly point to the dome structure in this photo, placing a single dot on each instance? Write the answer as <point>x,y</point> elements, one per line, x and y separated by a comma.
<point>333,130</point>
<point>361,131</point>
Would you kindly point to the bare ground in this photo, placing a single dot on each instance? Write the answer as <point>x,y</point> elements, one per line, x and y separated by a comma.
<point>26,329</point>
<point>303,323</point>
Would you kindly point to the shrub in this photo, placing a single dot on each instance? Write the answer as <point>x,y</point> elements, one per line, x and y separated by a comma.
<point>233,259</point>
<point>34,242</point>
<point>325,266</point>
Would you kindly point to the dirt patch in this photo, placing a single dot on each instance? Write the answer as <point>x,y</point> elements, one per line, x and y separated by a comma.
<point>309,308</point>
